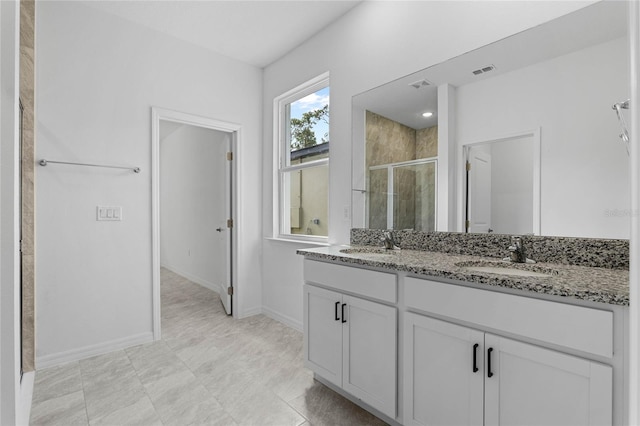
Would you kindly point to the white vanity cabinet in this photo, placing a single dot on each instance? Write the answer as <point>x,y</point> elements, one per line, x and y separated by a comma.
<point>456,375</point>
<point>463,354</point>
<point>443,373</point>
<point>537,386</point>
<point>348,340</point>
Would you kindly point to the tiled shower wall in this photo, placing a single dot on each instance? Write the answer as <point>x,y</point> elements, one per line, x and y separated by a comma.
<point>27,98</point>
<point>387,142</point>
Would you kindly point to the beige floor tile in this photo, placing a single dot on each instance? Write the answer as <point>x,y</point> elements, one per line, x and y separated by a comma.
<point>181,399</point>
<point>208,369</point>
<point>324,407</point>
<point>219,418</point>
<point>105,398</point>
<point>64,410</point>
<point>141,412</point>
<point>257,405</point>
<point>57,381</point>
<point>107,370</point>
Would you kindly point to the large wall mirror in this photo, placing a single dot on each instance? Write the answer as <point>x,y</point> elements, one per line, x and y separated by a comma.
<point>518,136</point>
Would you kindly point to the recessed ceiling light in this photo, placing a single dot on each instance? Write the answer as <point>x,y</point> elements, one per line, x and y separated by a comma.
<point>427,114</point>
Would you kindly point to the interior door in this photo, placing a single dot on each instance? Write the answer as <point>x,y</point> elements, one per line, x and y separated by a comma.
<point>479,191</point>
<point>222,259</point>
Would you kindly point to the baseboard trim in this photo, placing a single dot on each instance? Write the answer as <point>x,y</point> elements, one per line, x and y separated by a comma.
<point>88,351</point>
<point>286,320</point>
<point>247,313</point>
<point>26,396</point>
<point>194,278</point>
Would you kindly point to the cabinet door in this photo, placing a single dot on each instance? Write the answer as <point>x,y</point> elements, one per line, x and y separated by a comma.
<point>323,333</point>
<point>370,353</point>
<point>442,383</point>
<point>536,386</point>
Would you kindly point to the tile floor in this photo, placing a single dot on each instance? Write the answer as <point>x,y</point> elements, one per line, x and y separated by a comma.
<point>208,369</point>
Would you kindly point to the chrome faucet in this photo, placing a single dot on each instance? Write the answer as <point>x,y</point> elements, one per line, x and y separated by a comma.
<point>389,241</point>
<point>518,253</point>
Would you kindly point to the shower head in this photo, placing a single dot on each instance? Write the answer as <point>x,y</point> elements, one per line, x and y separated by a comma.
<point>621,105</point>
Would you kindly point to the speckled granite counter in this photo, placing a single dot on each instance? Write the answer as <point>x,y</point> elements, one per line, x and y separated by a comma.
<point>601,285</point>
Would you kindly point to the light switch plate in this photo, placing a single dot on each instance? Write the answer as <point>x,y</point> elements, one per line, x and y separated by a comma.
<point>109,213</point>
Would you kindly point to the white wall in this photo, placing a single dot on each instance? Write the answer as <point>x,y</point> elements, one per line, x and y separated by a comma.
<point>584,166</point>
<point>192,206</point>
<point>97,78</point>
<point>371,45</point>
<point>512,186</point>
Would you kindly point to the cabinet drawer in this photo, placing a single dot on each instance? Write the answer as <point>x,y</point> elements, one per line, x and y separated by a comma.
<point>371,284</point>
<point>575,327</point>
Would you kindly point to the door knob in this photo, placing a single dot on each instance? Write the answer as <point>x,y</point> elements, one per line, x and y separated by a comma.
<point>219,229</point>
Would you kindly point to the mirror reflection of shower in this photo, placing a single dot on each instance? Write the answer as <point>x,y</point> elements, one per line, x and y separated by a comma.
<point>624,136</point>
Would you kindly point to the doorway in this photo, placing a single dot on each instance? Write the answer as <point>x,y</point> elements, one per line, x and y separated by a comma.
<point>193,198</point>
<point>502,184</point>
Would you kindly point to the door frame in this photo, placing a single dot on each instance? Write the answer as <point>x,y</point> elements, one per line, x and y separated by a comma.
<point>470,208</point>
<point>158,114</point>
<point>462,156</point>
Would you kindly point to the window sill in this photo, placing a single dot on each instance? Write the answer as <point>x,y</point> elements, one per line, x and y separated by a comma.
<point>299,242</point>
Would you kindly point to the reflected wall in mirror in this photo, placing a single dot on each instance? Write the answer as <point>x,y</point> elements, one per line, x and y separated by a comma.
<point>561,78</point>
<point>503,185</point>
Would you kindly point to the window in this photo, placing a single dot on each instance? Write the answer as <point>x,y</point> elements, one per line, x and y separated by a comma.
<point>302,161</point>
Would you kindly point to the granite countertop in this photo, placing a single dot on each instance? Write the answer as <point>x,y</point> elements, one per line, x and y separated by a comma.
<point>601,285</point>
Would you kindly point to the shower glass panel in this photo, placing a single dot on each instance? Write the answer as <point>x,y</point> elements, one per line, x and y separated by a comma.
<point>414,201</point>
<point>403,196</point>
<point>378,191</point>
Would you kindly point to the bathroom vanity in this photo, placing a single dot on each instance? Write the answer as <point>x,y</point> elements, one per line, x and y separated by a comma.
<point>425,337</point>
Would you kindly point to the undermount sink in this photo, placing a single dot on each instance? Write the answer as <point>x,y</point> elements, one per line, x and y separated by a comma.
<point>369,251</point>
<point>506,268</point>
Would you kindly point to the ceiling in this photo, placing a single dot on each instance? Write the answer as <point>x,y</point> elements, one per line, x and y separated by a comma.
<point>400,101</point>
<point>256,32</point>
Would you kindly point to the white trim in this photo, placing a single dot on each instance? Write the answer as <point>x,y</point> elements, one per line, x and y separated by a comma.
<point>284,319</point>
<point>278,222</point>
<point>246,313</point>
<point>309,165</point>
<point>634,255</point>
<point>158,114</point>
<point>305,242</point>
<point>10,402</point>
<point>92,350</point>
<point>461,158</point>
<point>405,163</point>
<point>26,397</point>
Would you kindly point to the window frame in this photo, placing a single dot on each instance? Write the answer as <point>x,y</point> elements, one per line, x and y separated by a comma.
<point>281,150</point>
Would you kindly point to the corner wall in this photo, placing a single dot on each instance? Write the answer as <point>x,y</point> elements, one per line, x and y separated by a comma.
<point>98,77</point>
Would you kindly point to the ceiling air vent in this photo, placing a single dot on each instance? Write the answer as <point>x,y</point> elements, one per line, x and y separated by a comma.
<point>484,69</point>
<point>420,83</point>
